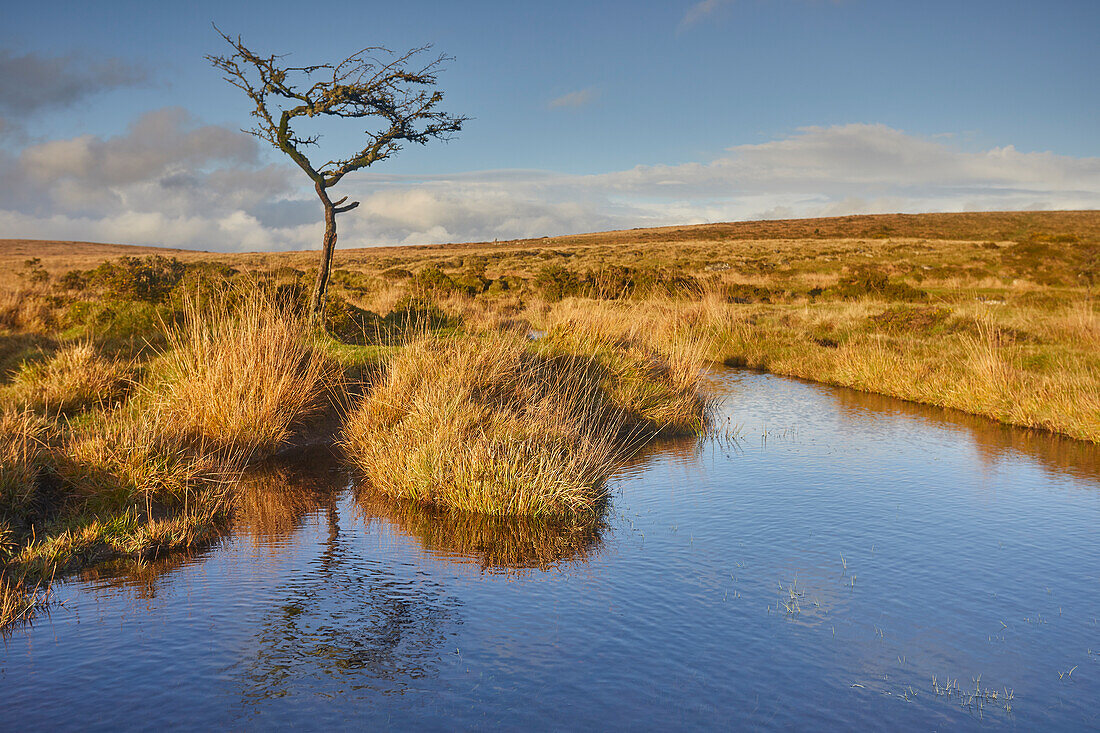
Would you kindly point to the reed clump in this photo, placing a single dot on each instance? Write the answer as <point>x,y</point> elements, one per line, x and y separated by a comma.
<point>77,377</point>
<point>487,424</point>
<point>483,425</point>
<point>243,375</point>
<point>19,601</point>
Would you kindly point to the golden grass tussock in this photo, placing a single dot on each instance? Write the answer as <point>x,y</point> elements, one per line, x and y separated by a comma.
<point>126,534</point>
<point>493,542</point>
<point>131,459</point>
<point>243,376</point>
<point>118,484</point>
<point>491,424</point>
<point>74,378</point>
<point>24,439</point>
<point>483,425</point>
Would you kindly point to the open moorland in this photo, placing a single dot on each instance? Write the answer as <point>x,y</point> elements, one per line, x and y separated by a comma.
<point>137,383</point>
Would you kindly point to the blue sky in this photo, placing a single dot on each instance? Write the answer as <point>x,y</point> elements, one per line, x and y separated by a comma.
<point>585,116</point>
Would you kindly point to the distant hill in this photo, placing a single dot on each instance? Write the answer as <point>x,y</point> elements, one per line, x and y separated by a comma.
<point>1055,226</point>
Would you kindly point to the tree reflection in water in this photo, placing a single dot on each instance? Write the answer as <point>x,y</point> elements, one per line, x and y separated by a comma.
<point>345,618</point>
<point>349,623</point>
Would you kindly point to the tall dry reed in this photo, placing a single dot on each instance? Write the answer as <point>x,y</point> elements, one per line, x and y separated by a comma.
<point>243,375</point>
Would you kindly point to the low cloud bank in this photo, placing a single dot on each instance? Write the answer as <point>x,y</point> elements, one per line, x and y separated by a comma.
<point>169,180</point>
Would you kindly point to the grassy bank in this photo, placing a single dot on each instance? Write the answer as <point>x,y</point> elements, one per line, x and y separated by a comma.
<point>1033,367</point>
<point>105,458</point>
<point>115,451</point>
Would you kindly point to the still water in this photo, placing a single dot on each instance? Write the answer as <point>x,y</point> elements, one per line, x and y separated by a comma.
<point>818,573</point>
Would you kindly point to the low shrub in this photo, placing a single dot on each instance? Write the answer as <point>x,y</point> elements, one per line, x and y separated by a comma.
<point>350,323</point>
<point>876,284</point>
<point>911,320</point>
<point>116,321</point>
<point>149,279</point>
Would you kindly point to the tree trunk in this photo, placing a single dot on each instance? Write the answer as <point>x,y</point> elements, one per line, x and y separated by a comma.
<point>320,287</point>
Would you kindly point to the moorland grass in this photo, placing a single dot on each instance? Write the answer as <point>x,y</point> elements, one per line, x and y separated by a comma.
<point>488,424</point>
<point>75,377</point>
<point>243,375</point>
<point>1036,368</point>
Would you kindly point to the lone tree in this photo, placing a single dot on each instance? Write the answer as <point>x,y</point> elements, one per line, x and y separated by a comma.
<point>395,92</point>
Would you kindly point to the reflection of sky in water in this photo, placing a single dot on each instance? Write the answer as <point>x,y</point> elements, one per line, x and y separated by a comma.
<point>971,549</point>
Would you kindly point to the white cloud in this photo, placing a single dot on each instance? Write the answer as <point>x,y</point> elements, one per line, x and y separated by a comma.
<point>155,144</point>
<point>698,11</point>
<point>177,183</point>
<point>578,98</point>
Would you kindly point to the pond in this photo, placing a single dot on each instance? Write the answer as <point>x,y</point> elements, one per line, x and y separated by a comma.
<point>850,561</point>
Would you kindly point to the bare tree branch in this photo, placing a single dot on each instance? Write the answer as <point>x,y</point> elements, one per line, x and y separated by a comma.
<point>395,93</point>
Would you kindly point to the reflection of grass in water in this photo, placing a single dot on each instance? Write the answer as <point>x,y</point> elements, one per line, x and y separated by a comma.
<point>140,576</point>
<point>1055,453</point>
<point>272,499</point>
<point>496,542</point>
<point>271,506</point>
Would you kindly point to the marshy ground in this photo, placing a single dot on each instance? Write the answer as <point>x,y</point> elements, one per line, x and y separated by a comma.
<point>137,387</point>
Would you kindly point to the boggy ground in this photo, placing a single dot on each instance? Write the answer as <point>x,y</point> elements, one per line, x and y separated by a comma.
<point>134,442</point>
<point>136,387</point>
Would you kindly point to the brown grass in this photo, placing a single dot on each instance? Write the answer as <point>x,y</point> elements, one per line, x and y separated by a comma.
<point>243,376</point>
<point>19,601</point>
<point>74,378</point>
<point>1035,368</point>
<point>482,425</point>
<point>24,439</point>
<point>489,424</point>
